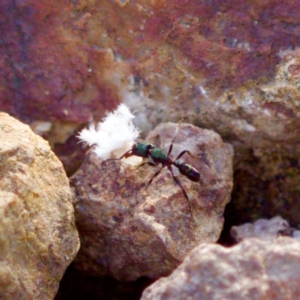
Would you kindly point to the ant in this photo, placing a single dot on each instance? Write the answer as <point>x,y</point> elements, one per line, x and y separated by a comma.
<point>158,156</point>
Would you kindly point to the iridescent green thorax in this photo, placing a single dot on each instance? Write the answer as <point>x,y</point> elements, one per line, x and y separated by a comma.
<point>157,153</point>
<point>141,149</point>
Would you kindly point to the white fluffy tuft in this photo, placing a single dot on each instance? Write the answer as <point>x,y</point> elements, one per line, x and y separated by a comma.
<point>116,134</point>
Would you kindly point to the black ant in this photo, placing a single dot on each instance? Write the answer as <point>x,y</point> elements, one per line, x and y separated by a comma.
<point>158,156</point>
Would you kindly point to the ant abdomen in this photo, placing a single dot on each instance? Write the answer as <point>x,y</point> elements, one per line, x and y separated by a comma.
<point>187,170</point>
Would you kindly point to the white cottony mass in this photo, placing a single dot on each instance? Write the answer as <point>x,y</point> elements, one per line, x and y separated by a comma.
<point>115,135</point>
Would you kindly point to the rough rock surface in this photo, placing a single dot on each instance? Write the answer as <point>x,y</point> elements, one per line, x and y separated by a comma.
<point>219,64</point>
<point>253,269</point>
<point>38,238</point>
<point>189,49</point>
<point>128,232</point>
<point>267,170</point>
<point>231,66</point>
<point>264,229</point>
<point>48,70</point>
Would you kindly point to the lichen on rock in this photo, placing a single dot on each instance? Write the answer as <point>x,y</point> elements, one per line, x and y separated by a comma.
<point>38,238</point>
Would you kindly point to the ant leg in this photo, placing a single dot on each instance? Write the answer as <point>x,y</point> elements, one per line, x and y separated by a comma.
<point>182,188</point>
<point>126,155</point>
<point>174,138</point>
<point>149,182</point>
<point>183,152</point>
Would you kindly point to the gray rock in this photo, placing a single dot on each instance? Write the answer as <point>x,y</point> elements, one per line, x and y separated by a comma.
<point>127,231</point>
<point>264,229</point>
<point>254,269</point>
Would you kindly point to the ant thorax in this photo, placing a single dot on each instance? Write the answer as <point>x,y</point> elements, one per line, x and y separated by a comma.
<point>159,156</point>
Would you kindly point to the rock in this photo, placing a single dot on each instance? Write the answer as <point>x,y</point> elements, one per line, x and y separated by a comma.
<point>55,81</point>
<point>38,238</point>
<point>127,231</point>
<point>267,165</point>
<point>200,47</point>
<point>65,83</point>
<point>253,269</point>
<point>221,66</point>
<point>213,64</point>
<point>264,229</point>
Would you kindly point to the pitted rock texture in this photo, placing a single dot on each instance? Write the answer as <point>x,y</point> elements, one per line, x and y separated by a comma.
<point>264,229</point>
<point>221,65</point>
<point>267,166</point>
<point>253,269</point>
<point>38,237</point>
<point>182,51</point>
<point>127,231</point>
<point>230,66</point>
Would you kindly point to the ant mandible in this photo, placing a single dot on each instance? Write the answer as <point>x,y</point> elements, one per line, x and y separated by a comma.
<point>158,156</point>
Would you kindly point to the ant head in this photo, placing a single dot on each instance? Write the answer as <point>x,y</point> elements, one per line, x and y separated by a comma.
<point>142,149</point>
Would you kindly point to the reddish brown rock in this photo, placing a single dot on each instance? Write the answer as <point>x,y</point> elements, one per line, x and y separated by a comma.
<point>48,69</point>
<point>267,159</point>
<point>186,45</point>
<point>38,237</point>
<point>185,56</point>
<point>49,73</point>
<point>128,232</point>
<point>254,269</point>
<point>229,66</point>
